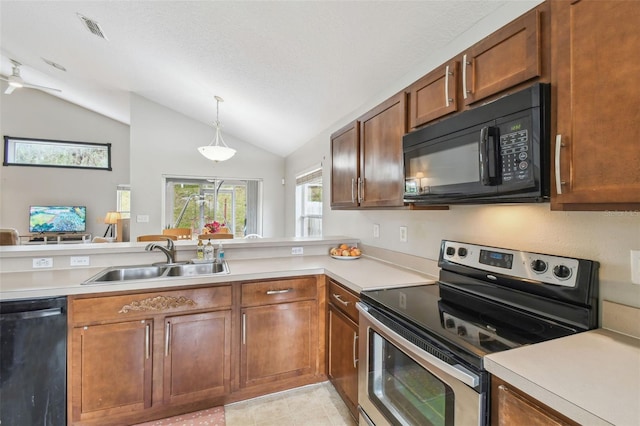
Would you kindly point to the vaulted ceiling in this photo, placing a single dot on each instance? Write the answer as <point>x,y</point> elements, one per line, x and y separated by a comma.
<point>286,69</point>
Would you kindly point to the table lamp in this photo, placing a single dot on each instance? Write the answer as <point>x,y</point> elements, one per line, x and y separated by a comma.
<point>111,219</point>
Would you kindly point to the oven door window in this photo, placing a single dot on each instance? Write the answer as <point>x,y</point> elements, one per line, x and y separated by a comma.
<point>404,391</point>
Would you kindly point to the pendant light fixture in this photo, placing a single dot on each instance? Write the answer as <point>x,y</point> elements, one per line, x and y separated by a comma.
<point>218,151</point>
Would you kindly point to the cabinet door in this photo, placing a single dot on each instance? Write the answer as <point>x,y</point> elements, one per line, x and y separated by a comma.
<point>434,95</point>
<point>344,166</point>
<point>381,160</point>
<point>343,358</point>
<point>511,407</point>
<point>278,342</point>
<point>504,59</point>
<point>197,356</point>
<point>595,67</point>
<point>114,362</point>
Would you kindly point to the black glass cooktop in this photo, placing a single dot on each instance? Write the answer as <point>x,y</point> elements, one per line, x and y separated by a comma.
<point>473,325</point>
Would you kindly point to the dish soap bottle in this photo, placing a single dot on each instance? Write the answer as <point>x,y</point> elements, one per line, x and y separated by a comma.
<point>200,250</point>
<point>208,251</point>
<point>220,258</point>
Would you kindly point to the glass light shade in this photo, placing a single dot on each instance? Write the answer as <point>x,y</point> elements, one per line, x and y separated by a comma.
<point>217,152</point>
<point>112,218</point>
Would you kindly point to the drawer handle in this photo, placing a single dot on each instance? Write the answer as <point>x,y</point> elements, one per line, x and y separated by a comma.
<point>286,290</point>
<point>339,299</point>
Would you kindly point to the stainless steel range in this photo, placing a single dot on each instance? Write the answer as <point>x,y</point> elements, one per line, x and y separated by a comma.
<point>425,345</point>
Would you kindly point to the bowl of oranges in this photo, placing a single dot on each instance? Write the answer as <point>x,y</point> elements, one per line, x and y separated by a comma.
<point>345,252</point>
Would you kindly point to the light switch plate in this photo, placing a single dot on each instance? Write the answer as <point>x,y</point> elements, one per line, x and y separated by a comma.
<point>635,266</point>
<point>297,250</point>
<point>142,218</point>
<point>376,230</point>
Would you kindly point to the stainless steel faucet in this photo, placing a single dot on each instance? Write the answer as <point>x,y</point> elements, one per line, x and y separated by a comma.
<point>169,250</point>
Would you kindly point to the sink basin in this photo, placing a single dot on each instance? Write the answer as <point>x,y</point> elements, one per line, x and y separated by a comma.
<point>127,273</point>
<point>189,270</point>
<point>117,274</point>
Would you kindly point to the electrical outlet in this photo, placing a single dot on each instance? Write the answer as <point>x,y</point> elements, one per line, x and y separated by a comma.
<point>43,262</point>
<point>635,266</point>
<point>297,250</point>
<point>142,218</point>
<point>376,230</point>
<point>403,234</point>
<point>79,261</point>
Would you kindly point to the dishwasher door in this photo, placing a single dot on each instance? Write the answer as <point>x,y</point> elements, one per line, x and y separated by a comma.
<point>33,344</point>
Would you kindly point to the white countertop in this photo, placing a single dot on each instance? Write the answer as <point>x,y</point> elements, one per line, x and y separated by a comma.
<point>359,274</point>
<point>591,377</point>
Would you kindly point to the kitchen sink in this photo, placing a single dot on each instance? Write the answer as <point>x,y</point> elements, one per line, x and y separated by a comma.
<point>192,269</point>
<point>116,274</point>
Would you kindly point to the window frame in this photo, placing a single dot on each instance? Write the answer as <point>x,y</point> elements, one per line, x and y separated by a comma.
<point>10,143</point>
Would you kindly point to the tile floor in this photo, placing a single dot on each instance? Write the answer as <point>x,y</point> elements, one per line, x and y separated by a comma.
<point>313,405</point>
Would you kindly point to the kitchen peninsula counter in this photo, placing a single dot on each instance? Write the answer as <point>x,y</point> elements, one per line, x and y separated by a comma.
<point>358,274</point>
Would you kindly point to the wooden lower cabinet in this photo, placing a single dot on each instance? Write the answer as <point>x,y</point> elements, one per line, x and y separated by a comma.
<point>141,356</point>
<point>112,369</point>
<point>511,406</point>
<point>343,358</point>
<point>197,356</point>
<point>278,342</point>
<point>342,343</point>
<point>279,336</point>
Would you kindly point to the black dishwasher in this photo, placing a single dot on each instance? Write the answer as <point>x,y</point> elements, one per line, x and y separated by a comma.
<point>33,337</point>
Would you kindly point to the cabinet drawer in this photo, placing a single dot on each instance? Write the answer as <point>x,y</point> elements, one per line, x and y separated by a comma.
<point>97,309</point>
<point>277,291</point>
<point>344,300</point>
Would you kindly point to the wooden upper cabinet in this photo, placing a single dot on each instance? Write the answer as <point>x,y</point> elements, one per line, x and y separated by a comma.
<point>381,159</point>
<point>434,95</point>
<point>594,72</point>
<point>345,156</point>
<point>504,59</point>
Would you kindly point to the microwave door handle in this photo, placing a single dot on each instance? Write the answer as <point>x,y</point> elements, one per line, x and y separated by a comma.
<point>487,156</point>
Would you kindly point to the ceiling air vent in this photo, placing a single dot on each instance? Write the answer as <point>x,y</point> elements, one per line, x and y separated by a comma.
<point>92,26</point>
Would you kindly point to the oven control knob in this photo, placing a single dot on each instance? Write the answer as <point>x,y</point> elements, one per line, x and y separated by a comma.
<point>449,323</point>
<point>451,251</point>
<point>539,266</point>
<point>562,272</point>
<point>462,331</point>
<point>462,252</point>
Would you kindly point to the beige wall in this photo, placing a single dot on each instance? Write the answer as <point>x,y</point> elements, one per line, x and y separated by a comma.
<point>164,143</point>
<point>603,236</point>
<point>32,113</point>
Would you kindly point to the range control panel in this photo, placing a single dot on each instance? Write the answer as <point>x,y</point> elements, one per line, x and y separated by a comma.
<point>556,270</point>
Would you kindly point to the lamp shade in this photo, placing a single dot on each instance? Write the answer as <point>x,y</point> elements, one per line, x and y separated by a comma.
<point>217,152</point>
<point>112,218</point>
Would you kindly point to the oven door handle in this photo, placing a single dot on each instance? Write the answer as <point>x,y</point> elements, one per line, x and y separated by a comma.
<point>458,371</point>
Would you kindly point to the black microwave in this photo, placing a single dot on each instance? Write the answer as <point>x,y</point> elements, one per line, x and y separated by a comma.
<point>494,153</point>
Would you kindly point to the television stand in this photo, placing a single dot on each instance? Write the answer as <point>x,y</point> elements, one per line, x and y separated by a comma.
<point>57,238</point>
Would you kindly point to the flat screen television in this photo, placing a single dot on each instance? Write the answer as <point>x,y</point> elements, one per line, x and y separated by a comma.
<point>57,219</point>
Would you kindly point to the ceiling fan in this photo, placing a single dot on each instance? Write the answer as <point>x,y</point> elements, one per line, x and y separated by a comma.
<point>16,82</point>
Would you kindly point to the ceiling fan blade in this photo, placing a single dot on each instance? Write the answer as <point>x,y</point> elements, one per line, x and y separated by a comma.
<point>9,90</point>
<point>35,86</point>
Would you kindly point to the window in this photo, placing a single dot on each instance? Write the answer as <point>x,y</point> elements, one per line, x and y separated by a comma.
<point>50,153</point>
<point>123,202</point>
<point>192,203</point>
<point>309,204</point>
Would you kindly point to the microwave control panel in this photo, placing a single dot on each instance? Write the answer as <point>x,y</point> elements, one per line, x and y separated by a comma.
<point>514,150</point>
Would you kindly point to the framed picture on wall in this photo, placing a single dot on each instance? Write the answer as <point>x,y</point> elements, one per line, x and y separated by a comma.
<point>54,153</point>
